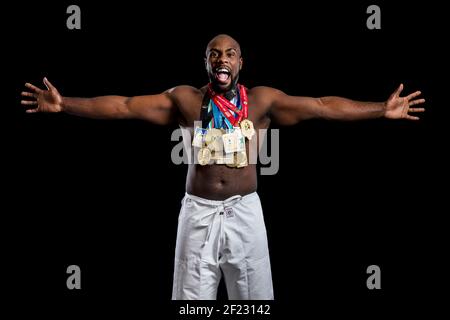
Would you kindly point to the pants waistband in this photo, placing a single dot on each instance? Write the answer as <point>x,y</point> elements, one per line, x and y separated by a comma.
<point>227,201</point>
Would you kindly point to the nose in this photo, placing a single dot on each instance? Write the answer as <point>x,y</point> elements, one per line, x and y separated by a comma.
<point>222,59</point>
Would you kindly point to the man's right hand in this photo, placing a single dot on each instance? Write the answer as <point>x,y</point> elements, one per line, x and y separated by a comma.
<point>46,100</point>
<point>157,108</point>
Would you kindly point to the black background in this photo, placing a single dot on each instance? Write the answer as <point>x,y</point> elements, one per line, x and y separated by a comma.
<point>105,195</point>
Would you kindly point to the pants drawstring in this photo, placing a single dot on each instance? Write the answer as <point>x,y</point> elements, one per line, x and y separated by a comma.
<point>219,211</point>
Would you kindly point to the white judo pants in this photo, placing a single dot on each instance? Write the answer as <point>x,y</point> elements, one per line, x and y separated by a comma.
<point>227,235</point>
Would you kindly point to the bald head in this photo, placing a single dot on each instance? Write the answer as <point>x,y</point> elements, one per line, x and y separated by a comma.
<point>223,62</point>
<point>223,40</point>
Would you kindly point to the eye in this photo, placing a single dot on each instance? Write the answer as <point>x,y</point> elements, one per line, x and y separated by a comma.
<point>231,54</point>
<point>213,54</point>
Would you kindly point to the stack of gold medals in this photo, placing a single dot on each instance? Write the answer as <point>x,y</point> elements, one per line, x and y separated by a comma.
<point>225,146</point>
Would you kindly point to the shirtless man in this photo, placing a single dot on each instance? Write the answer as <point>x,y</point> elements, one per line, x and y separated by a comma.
<point>221,226</point>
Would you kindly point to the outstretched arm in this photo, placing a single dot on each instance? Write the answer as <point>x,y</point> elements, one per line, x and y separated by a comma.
<point>288,110</point>
<point>158,108</point>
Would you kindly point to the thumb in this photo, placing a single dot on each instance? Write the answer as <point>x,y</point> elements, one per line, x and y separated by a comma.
<point>399,90</point>
<point>49,85</point>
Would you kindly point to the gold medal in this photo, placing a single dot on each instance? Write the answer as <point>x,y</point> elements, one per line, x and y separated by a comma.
<point>208,137</point>
<point>218,157</point>
<point>247,129</point>
<point>230,160</point>
<point>213,139</point>
<point>231,164</point>
<point>215,132</point>
<point>241,159</point>
<point>204,156</point>
<point>216,145</point>
<point>227,159</point>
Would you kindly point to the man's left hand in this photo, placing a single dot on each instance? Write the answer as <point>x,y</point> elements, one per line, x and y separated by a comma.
<point>399,107</point>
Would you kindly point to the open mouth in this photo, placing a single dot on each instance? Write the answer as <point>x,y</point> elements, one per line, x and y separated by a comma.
<point>222,74</point>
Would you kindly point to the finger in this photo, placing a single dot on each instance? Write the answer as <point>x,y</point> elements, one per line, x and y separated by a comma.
<point>416,110</point>
<point>29,94</point>
<point>28,103</point>
<point>32,110</point>
<point>412,118</point>
<point>34,88</point>
<point>48,84</point>
<point>399,90</point>
<point>413,95</point>
<point>418,101</point>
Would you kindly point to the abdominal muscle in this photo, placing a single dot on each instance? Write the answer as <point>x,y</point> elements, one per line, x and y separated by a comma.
<point>219,182</point>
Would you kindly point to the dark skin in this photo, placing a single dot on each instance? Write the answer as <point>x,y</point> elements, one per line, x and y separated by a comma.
<point>182,105</point>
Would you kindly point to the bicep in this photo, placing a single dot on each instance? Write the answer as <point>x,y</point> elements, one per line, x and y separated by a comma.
<point>158,108</point>
<point>289,110</point>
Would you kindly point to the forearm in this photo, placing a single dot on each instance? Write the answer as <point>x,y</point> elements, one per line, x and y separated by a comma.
<point>337,108</point>
<point>105,107</point>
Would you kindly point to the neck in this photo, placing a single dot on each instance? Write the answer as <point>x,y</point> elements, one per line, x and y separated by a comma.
<point>228,94</point>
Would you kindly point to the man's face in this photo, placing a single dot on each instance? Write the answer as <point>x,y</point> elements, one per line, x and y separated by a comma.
<point>223,62</point>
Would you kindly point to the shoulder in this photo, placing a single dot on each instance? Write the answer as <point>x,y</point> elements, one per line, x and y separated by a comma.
<point>264,95</point>
<point>183,90</point>
<point>263,90</point>
<point>184,95</point>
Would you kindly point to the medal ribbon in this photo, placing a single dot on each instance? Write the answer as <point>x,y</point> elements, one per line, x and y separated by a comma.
<point>225,106</point>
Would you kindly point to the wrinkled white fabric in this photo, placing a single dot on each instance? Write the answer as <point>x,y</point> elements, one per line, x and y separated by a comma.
<point>227,235</point>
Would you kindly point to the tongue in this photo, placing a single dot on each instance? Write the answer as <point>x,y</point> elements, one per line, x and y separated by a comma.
<point>222,77</point>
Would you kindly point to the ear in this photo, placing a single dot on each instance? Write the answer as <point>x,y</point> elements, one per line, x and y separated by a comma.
<point>241,62</point>
<point>206,63</point>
